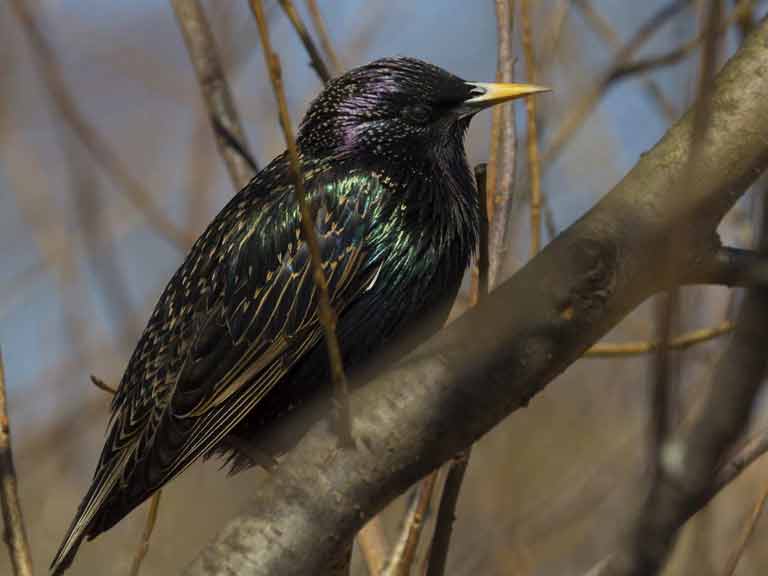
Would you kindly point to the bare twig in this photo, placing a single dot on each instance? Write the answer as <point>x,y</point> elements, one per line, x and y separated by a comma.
<point>623,66</point>
<point>556,25</point>
<point>15,532</point>
<point>610,350</point>
<point>230,136</point>
<point>582,109</point>
<point>446,514</point>
<point>314,54</point>
<point>744,7</point>
<point>325,313</point>
<point>743,457</point>
<point>373,546</point>
<point>604,29</point>
<point>533,137</point>
<point>490,195</point>
<point>101,385</point>
<point>325,39</point>
<point>738,551</point>
<point>149,526</point>
<point>97,146</point>
<point>503,148</point>
<point>405,550</point>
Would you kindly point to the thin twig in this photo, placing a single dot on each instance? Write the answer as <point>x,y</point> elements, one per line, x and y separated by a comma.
<point>13,519</point>
<point>98,147</point>
<point>493,157</point>
<point>149,526</point>
<point>744,7</point>
<point>446,514</point>
<point>533,139</point>
<point>623,67</point>
<point>101,385</point>
<point>373,546</point>
<point>742,457</point>
<point>556,23</point>
<point>325,39</point>
<point>686,340</point>
<point>325,313</point>
<point>314,54</point>
<point>738,551</point>
<point>230,136</point>
<point>604,29</point>
<point>405,550</point>
<point>503,148</point>
<point>589,101</point>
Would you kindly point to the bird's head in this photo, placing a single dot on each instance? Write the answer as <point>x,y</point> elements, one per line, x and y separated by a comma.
<point>398,109</point>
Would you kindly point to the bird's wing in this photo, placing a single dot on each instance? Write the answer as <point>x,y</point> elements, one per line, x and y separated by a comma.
<point>223,334</point>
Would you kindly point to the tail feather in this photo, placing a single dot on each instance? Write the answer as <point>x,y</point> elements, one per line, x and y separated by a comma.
<point>82,525</point>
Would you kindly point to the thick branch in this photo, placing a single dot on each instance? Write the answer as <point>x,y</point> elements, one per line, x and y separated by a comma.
<point>492,360</point>
<point>689,475</point>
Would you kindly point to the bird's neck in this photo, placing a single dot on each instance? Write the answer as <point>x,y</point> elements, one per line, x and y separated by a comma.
<point>434,200</point>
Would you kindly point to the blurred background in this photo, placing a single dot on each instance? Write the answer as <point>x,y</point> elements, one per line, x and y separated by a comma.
<point>87,245</point>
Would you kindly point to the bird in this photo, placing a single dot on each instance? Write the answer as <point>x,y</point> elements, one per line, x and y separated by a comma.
<point>234,342</point>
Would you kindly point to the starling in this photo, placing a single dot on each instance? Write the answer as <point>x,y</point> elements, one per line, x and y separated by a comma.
<point>234,341</point>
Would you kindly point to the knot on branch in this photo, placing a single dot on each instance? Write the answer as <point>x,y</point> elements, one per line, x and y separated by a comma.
<point>593,270</point>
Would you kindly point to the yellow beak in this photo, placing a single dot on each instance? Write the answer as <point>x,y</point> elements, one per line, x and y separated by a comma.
<point>487,94</point>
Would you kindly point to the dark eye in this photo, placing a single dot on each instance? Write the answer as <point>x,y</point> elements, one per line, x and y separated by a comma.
<point>417,114</point>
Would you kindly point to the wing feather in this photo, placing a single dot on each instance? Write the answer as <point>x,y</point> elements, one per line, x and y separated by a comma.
<point>234,319</point>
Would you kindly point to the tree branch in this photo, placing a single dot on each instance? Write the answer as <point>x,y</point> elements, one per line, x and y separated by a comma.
<point>230,136</point>
<point>15,535</point>
<point>497,356</point>
<point>502,162</point>
<point>309,45</point>
<point>96,145</point>
<point>404,553</point>
<point>325,39</point>
<point>734,267</point>
<point>326,314</point>
<point>446,514</point>
<point>533,135</point>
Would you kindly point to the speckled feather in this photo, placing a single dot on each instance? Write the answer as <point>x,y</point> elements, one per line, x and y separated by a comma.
<point>234,339</point>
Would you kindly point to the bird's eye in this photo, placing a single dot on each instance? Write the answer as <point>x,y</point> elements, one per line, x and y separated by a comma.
<point>417,114</point>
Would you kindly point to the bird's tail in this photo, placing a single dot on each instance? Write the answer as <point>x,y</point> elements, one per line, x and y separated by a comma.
<point>89,508</point>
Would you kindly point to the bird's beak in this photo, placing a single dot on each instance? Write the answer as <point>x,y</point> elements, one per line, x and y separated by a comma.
<point>485,94</point>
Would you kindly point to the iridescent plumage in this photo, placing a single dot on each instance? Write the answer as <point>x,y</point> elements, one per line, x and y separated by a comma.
<point>234,340</point>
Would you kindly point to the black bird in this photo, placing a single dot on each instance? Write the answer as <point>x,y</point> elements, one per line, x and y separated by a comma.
<point>234,341</point>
